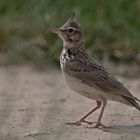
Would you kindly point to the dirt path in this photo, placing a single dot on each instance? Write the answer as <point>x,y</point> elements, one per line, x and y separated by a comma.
<point>35,106</point>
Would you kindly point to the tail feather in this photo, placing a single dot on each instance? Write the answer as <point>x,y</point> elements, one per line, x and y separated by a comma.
<point>133,102</point>
<point>137,99</point>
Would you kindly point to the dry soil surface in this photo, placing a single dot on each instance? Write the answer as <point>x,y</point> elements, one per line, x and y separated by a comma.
<point>36,105</point>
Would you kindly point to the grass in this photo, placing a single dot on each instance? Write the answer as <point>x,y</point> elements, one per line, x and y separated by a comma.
<point>112,29</point>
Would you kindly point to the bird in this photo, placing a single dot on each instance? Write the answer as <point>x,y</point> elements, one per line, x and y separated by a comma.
<point>86,76</point>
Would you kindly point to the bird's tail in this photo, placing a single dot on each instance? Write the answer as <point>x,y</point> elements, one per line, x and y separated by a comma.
<point>137,99</point>
<point>133,102</point>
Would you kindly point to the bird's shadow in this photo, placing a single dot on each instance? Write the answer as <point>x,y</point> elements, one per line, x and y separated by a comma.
<point>119,129</point>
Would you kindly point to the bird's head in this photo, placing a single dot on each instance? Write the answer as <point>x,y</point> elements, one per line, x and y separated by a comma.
<point>71,33</point>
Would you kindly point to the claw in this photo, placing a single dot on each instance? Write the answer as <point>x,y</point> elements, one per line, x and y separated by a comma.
<point>78,123</point>
<point>98,125</point>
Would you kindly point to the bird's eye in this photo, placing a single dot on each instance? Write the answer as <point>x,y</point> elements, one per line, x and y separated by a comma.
<point>70,30</point>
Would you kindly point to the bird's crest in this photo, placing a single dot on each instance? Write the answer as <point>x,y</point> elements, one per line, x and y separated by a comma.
<point>72,22</point>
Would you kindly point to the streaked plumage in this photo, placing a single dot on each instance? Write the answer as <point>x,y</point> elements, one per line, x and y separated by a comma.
<point>86,76</point>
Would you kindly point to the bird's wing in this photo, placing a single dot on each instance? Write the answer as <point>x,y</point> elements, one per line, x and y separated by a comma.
<point>95,75</point>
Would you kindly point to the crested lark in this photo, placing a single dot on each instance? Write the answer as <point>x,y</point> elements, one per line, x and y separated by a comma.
<point>85,76</point>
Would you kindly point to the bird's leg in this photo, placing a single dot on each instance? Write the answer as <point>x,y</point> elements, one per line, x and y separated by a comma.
<point>78,123</point>
<point>98,124</point>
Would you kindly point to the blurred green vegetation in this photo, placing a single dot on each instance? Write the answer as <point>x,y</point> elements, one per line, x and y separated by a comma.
<point>112,30</point>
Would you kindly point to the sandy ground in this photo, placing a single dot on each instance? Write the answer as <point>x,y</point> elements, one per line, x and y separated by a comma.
<point>36,105</point>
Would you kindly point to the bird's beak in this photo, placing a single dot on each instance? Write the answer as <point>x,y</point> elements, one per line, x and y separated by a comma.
<point>56,30</point>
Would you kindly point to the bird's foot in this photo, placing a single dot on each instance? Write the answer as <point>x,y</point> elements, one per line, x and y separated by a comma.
<point>99,125</point>
<point>78,123</point>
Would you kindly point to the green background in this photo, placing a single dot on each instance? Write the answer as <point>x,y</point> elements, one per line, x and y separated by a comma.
<point>112,31</point>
